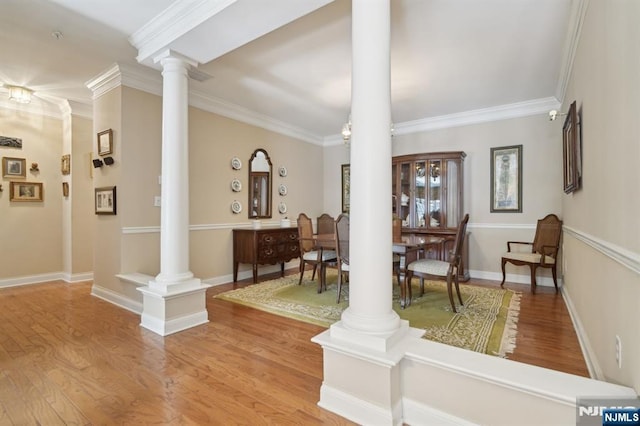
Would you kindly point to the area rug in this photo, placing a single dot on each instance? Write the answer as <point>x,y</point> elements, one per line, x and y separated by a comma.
<point>487,322</point>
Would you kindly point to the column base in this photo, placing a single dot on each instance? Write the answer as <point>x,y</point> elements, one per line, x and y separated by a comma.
<point>348,357</point>
<point>165,313</point>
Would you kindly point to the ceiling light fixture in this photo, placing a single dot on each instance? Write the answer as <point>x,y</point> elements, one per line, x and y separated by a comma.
<point>20,94</point>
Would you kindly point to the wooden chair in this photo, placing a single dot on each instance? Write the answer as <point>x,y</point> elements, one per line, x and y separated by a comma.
<point>309,252</point>
<point>543,250</point>
<point>342,249</point>
<point>325,224</point>
<point>438,269</point>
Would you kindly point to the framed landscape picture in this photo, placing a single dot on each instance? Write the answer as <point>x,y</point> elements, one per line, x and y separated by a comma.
<point>13,167</point>
<point>25,191</point>
<point>571,151</point>
<point>105,200</point>
<point>506,179</point>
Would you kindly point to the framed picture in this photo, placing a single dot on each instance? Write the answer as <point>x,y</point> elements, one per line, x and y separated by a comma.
<point>14,167</point>
<point>66,164</point>
<point>105,142</point>
<point>10,142</point>
<point>25,191</point>
<point>571,151</point>
<point>346,187</point>
<point>105,200</point>
<point>65,189</point>
<point>506,179</point>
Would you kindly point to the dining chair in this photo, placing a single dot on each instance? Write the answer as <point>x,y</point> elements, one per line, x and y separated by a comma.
<point>342,249</point>
<point>325,224</point>
<point>543,251</point>
<point>310,253</point>
<point>439,269</point>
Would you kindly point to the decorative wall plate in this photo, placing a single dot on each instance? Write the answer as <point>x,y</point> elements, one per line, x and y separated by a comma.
<point>282,208</point>
<point>282,189</point>
<point>236,207</point>
<point>236,164</point>
<point>282,171</point>
<point>236,185</point>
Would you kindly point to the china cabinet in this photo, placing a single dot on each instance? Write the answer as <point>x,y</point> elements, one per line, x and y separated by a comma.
<point>427,196</point>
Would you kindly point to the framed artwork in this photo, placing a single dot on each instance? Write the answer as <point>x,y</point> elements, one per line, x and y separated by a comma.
<point>346,187</point>
<point>10,142</point>
<point>25,191</point>
<point>105,142</point>
<point>66,164</point>
<point>571,151</point>
<point>65,189</point>
<point>105,200</point>
<point>14,167</point>
<point>506,179</point>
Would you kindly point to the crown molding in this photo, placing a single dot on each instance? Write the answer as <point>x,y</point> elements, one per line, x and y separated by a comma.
<point>500,112</point>
<point>175,21</point>
<point>572,39</point>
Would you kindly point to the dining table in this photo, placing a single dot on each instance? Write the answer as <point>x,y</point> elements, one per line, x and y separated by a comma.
<point>407,247</point>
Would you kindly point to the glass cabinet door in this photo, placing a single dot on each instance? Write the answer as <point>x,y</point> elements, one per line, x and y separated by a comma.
<point>405,194</point>
<point>435,194</point>
<point>420,199</point>
<point>453,194</point>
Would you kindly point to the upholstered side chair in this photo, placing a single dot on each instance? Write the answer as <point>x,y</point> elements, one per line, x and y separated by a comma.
<point>310,253</point>
<point>541,253</point>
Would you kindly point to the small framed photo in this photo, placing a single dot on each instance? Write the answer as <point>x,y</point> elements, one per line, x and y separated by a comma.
<point>506,179</point>
<point>14,167</point>
<point>346,187</point>
<point>105,142</point>
<point>25,191</point>
<point>105,202</point>
<point>65,164</point>
<point>65,189</point>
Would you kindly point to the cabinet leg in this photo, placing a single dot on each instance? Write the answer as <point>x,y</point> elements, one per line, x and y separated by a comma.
<point>235,271</point>
<point>255,273</point>
<point>282,269</point>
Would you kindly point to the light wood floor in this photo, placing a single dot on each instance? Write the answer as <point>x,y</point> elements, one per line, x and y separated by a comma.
<point>69,358</point>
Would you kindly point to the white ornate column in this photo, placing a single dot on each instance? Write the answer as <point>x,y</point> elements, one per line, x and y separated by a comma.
<point>175,300</point>
<point>362,352</point>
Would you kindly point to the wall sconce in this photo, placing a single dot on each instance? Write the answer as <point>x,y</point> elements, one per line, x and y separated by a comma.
<point>346,130</point>
<point>553,114</point>
<point>97,163</point>
<point>108,161</point>
<point>19,94</point>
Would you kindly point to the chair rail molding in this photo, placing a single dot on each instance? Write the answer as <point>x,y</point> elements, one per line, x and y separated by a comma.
<point>621,255</point>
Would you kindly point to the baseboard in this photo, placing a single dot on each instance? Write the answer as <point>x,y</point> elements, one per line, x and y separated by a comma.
<point>355,409</point>
<point>31,279</point>
<point>415,413</point>
<point>116,299</point>
<point>78,278</point>
<point>590,358</point>
<point>243,275</point>
<point>513,278</point>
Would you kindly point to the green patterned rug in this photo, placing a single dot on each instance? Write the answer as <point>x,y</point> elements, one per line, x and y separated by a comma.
<point>487,323</point>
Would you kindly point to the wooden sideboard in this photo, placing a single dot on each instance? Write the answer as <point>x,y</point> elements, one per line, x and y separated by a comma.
<point>266,246</point>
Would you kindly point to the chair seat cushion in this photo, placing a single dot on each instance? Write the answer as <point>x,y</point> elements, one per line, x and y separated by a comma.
<point>528,257</point>
<point>430,266</point>
<point>344,267</point>
<point>326,255</point>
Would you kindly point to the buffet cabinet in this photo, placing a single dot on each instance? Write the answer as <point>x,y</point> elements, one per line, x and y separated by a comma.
<point>264,247</point>
<point>427,196</point>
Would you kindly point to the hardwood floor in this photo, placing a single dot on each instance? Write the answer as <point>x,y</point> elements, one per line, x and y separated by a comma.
<point>69,358</point>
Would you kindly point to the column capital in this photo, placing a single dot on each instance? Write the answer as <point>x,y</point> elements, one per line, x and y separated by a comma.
<point>169,55</point>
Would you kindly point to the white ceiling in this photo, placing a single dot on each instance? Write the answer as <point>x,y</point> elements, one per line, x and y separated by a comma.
<point>449,58</point>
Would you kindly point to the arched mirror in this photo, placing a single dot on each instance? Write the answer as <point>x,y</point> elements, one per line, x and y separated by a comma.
<point>259,185</point>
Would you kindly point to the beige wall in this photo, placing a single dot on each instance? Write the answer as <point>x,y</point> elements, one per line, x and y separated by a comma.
<point>31,232</point>
<point>603,252</point>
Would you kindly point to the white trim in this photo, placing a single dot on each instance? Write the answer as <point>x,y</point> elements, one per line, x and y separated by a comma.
<point>510,226</point>
<point>572,39</point>
<point>513,278</point>
<point>500,112</point>
<point>621,255</point>
<point>32,279</point>
<point>116,299</point>
<point>415,413</point>
<point>355,409</point>
<point>590,357</point>
<point>199,227</point>
<point>78,278</point>
<point>164,328</point>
